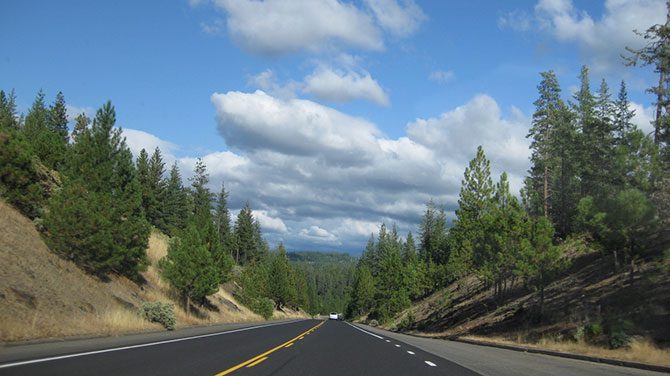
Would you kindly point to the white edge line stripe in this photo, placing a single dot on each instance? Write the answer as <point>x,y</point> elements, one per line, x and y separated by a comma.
<point>410,352</point>
<point>430,363</point>
<point>8,365</point>
<point>397,345</point>
<point>364,331</point>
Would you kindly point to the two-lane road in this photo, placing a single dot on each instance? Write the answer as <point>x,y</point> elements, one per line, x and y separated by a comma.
<point>307,347</point>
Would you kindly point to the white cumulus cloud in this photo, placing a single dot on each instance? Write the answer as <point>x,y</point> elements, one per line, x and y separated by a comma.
<point>602,40</point>
<point>279,26</point>
<point>318,178</point>
<point>269,223</point>
<point>344,86</point>
<point>399,19</point>
<point>643,117</point>
<point>138,140</point>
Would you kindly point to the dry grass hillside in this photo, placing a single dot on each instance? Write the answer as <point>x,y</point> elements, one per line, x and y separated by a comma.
<point>43,295</point>
<point>589,294</point>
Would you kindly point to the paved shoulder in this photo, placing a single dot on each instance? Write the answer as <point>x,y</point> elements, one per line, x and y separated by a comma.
<point>494,361</point>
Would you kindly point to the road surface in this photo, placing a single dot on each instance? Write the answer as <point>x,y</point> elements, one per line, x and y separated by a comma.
<point>306,347</point>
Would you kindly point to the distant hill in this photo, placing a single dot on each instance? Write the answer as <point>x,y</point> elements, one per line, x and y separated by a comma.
<point>320,257</point>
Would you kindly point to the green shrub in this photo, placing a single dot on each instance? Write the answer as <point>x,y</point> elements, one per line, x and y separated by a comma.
<point>579,333</point>
<point>162,313</point>
<point>619,331</point>
<point>619,339</point>
<point>593,330</point>
<point>263,306</point>
<point>665,263</point>
<point>373,323</point>
<point>407,322</point>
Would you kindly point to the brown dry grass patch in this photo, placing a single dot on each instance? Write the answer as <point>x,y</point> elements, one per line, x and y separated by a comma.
<point>43,295</point>
<point>640,350</point>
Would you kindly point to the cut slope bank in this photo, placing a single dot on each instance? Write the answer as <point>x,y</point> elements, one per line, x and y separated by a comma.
<point>43,295</point>
<point>582,310</point>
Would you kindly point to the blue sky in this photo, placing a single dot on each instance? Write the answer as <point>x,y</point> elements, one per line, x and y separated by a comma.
<point>329,116</point>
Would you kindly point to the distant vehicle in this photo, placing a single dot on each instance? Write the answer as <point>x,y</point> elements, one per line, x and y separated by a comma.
<point>333,316</point>
<point>340,316</point>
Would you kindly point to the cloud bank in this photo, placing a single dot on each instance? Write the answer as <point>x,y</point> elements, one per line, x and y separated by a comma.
<point>320,178</point>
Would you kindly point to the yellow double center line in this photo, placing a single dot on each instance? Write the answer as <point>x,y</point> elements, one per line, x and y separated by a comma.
<point>265,354</point>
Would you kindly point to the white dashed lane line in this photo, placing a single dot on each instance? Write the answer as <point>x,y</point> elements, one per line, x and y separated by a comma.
<point>389,341</point>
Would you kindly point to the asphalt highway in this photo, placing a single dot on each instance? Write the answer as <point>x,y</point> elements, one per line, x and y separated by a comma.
<point>307,347</point>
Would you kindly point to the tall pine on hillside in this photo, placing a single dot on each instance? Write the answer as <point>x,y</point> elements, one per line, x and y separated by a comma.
<point>203,219</point>
<point>189,267</point>
<point>19,177</point>
<point>474,202</point>
<point>245,236</point>
<point>156,185</point>
<point>97,219</point>
<point>176,205</point>
<point>282,288</point>
<point>222,218</point>
<point>46,130</point>
<point>536,190</point>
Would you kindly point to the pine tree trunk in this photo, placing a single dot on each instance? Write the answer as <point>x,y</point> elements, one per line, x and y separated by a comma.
<point>659,107</point>
<point>616,261</point>
<point>546,190</point>
<point>542,300</point>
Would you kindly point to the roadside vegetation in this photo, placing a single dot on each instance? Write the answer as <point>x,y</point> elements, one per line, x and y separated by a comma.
<point>597,187</point>
<point>96,205</point>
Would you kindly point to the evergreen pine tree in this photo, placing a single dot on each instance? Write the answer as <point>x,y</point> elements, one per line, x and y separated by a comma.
<point>245,234</point>
<point>363,292</point>
<point>189,267</point>
<point>58,118</point>
<point>391,295</point>
<point>204,220</point>
<point>20,182</point>
<point>81,122</point>
<point>540,260</point>
<point>201,195</point>
<point>536,190</point>
<point>282,288</point>
<point>656,53</point>
<point>475,201</point>
<point>225,229</point>
<point>409,250</point>
<point>8,115</point>
<point>176,202</point>
<point>142,166</point>
<point>622,123</point>
<point>155,210</point>
<point>97,218</point>
<point>48,140</point>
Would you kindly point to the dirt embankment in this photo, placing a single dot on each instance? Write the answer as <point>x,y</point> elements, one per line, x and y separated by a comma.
<point>43,295</point>
<point>581,306</point>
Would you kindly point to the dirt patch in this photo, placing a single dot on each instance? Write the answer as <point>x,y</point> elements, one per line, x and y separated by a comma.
<point>24,297</point>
